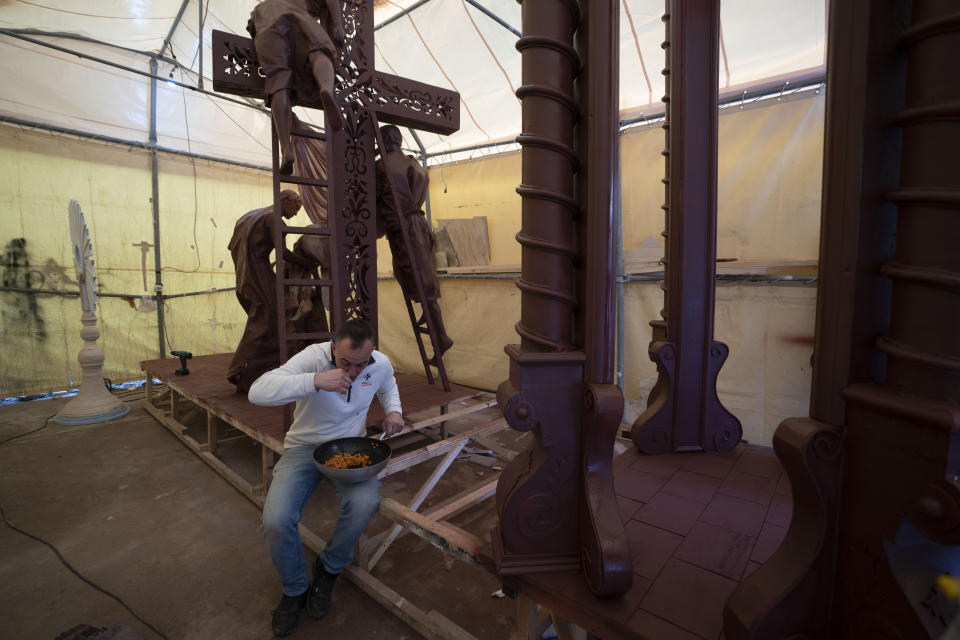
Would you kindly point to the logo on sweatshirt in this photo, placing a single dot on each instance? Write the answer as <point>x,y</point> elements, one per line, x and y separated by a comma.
<point>366,380</point>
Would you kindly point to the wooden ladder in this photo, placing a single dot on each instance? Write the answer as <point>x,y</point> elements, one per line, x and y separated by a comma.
<point>421,326</point>
<point>280,232</point>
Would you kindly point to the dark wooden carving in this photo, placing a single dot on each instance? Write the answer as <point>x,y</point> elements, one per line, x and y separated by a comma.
<point>408,103</point>
<point>359,89</point>
<point>235,66</point>
<point>802,567</point>
<point>354,189</point>
<point>683,411</point>
<point>555,501</point>
<point>887,358</point>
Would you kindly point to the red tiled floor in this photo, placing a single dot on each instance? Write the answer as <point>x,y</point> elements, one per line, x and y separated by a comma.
<point>770,538</point>
<point>783,487</point>
<point>689,597</point>
<point>637,485</point>
<point>760,463</point>
<point>627,508</point>
<point>781,510</point>
<point>697,523</point>
<point>661,465</point>
<point>735,514</point>
<point>733,454</point>
<point>708,464</point>
<point>656,628</point>
<point>717,549</point>
<point>650,548</point>
<point>625,605</point>
<point>750,568</point>
<point>672,513</point>
<point>692,486</point>
<point>625,459</point>
<point>749,487</point>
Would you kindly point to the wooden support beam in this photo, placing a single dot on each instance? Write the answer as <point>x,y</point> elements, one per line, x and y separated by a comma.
<point>527,623</point>
<point>417,456</point>
<point>450,539</point>
<point>190,414</point>
<point>562,628</point>
<point>417,501</point>
<point>211,433</point>
<point>441,511</point>
<point>443,417</point>
<point>266,466</point>
<point>461,501</point>
<point>431,624</point>
<point>232,477</point>
<point>174,405</point>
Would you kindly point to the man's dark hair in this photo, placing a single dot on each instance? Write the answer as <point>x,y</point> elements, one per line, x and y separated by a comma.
<point>358,330</point>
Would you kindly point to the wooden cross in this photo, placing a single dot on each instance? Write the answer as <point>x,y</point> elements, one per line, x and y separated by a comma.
<point>363,94</point>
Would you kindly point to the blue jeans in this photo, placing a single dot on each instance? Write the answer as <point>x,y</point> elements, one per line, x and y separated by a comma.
<point>295,477</point>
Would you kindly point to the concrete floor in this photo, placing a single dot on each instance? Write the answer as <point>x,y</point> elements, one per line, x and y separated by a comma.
<point>136,512</point>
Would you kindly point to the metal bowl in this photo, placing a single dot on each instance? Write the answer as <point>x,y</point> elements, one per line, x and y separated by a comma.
<point>378,451</point>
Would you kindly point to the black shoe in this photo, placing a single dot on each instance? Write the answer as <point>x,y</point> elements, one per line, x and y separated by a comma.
<point>318,597</point>
<point>287,614</point>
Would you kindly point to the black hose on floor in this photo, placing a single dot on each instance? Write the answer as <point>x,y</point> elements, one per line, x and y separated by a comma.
<point>3,442</point>
<point>77,573</point>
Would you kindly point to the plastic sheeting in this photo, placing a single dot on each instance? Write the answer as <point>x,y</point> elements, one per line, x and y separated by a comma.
<point>449,43</point>
<point>39,174</point>
<point>770,158</point>
<point>769,330</point>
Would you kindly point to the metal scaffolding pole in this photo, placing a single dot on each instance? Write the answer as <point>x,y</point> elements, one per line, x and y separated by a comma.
<point>173,27</point>
<point>155,200</point>
<point>200,42</point>
<point>490,14</point>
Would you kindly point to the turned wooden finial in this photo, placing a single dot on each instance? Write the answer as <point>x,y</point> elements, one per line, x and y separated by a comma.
<point>93,402</point>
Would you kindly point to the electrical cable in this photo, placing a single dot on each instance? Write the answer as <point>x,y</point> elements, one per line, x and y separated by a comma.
<point>239,126</point>
<point>203,21</point>
<point>78,574</point>
<point>90,15</point>
<point>196,204</point>
<point>3,442</point>
<point>166,309</point>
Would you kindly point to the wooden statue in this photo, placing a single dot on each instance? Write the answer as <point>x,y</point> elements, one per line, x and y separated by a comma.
<point>250,246</point>
<point>297,55</point>
<point>409,181</point>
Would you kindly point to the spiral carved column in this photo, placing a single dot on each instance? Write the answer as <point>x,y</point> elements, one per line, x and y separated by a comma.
<point>887,358</point>
<point>537,491</point>
<point>555,503</point>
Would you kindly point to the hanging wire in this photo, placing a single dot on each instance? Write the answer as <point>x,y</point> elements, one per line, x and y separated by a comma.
<point>193,164</point>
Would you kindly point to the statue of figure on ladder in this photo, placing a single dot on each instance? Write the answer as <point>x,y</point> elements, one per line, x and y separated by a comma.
<point>409,182</point>
<point>297,55</point>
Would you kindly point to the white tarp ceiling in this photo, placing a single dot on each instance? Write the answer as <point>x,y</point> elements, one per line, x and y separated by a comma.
<point>449,43</point>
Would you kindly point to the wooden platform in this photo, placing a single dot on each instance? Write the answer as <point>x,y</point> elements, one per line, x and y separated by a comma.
<point>206,413</point>
<point>207,387</point>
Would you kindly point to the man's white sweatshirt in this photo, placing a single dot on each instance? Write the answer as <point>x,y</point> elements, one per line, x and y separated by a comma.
<point>321,416</point>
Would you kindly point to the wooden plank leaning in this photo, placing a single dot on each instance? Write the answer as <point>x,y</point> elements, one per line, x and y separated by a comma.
<point>435,449</point>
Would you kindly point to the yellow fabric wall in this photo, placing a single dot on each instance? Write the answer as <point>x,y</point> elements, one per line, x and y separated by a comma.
<point>770,160</point>
<point>770,163</point>
<point>39,174</point>
<point>768,181</point>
